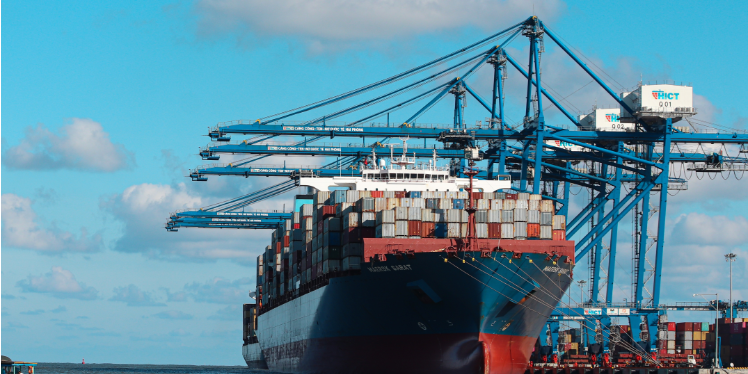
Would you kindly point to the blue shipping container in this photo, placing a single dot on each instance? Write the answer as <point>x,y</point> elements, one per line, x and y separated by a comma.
<point>432,203</point>
<point>337,197</point>
<point>440,230</point>
<point>458,203</point>
<point>415,194</point>
<point>333,238</point>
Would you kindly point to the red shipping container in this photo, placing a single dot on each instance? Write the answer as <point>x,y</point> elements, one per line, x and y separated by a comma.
<point>511,196</point>
<point>559,234</point>
<point>477,195</point>
<point>376,194</point>
<point>681,326</point>
<point>427,229</point>
<point>278,247</point>
<point>286,241</point>
<point>296,226</point>
<point>414,228</point>
<point>533,230</point>
<point>494,231</point>
<point>671,326</point>
<point>399,194</point>
<point>327,211</point>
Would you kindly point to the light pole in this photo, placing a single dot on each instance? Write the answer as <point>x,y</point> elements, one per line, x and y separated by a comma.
<point>730,257</point>
<point>581,291</point>
<point>716,325</point>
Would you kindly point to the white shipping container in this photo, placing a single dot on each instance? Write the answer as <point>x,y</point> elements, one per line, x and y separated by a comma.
<point>441,194</point>
<point>559,222</point>
<point>465,216</point>
<point>414,214</point>
<point>385,216</point>
<point>427,215</point>
<point>296,217</point>
<point>533,204</point>
<point>481,216</point>
<point>417,202</point>
<point>494,216</point>
<point>308,237</point>
<point>454,215</point>
<point>507,230</point>
<point>523,196</point>
<point>520,215</point>
<point>536,197</point>
<point>546,218</point>
<point>451,194</point>
<point>388,194</point>
<point>350,220</point>
<point>520,230</point>
<point>385,230</point>
<point>547,206</point>
<point>507,216</point>
<point>487,195</point>
<point>364,193</point>
<point>405,202</point>
<point>453,230</point>
<point>533,216</point>
<point>509,204</point>
<point>344,208</point>
<point>401,228</point>
<point>463,230</point>
<point>351,196</point>
<point>462,195</point>
<point>483,204</point>
<point>671,345</point>
<point>481,230</point>
<point>401,213</point>
<point>368,219</point>
<point>380,203</point>
<point>392,203</point>
<point>497,204</point>
<point>521,204</point>
<point>546,232</point>
<point>445,203</point>
<point>321,197</point>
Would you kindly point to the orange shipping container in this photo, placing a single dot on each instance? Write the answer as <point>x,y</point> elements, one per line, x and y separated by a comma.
<point>533,230</point>
<point>286,241</point>
<point>494,231</point>
<point>414,228</point>
<point>427,229</point>
<point>278,247</point>
<point>559,234</point>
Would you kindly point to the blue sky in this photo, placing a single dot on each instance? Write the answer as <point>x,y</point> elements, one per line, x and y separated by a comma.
<point>106,103</point>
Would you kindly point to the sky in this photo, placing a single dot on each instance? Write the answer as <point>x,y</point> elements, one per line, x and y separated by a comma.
<point>105,104</point>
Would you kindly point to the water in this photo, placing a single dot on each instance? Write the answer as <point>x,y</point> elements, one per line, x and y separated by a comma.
<point>61,368</point>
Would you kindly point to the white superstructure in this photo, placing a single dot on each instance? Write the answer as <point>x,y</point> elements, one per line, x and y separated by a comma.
<point>601,119</point>
<point>403,174</point>
<point>659,101</point>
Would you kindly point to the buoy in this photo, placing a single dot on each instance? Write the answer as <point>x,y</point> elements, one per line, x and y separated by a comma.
<point>84,362</point>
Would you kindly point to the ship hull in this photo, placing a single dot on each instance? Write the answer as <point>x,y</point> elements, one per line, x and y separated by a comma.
<point>253,356</point>
<point>417,314</point>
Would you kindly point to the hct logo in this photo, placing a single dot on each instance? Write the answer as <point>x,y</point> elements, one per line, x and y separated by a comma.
<point>662,95</point>
<point>612,117</point>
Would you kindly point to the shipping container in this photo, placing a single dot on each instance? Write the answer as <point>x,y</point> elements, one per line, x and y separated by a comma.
<point>546,218</point>
<point>533,216</point>
<point>385,216</point>
<point>414,213</point>
<point>547,206</point>
<point>559,234</point>
<point>494,230</point>
<point>507,231</point>
<point>380,204</point>
<point>454,215</point>
<point>332,224</point>
<point>337,197</point>
<point>444,203</point>
<point>459,204</point>
<point>352,263</point>
<point>523,196</point>
<point>351,196</point>
<point>401,213</point>
<point>331,253</point>
<point>546,232</point>
<point>533,230</point>
<point>483,204</point>
<point>520,230</point>
<point>350,220</point>
<point>368,219</point>
<point>507,216</point>
<point>386,230</point>
<point>559,222</point>
<point>427,215</point>
<point>345,208</point>
<point>509,204</point>
<point>416,202</point>
<point>521,204</point>
<point>453,230</point>
<point>520,214</point>
<point>497,204</point>
<point>414,194</point>
<point>392,203</point>
<point>493,216</point>
<point>432,203</point>
<point>481,230</point>
<point>401,228</point>
<point>414,227</point>
<point>405,202</point>
<point>321,197</point>
<point>440,215</point>
<point>440,230</point>
<point>427,229</point>
<point>330,266</point>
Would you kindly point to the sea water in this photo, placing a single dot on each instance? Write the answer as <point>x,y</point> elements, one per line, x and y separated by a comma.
<point>62,368</point>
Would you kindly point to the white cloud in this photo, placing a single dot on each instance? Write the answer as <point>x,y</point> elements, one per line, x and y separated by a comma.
<point>697,228</point>
<point>81,145</point>
<point>134,296</point>
<point>144,209</point>
<point>59,283</point>
<point>229,313</point>
<point>322,23</point>
<point>20,229</point>
<point>173,315</point>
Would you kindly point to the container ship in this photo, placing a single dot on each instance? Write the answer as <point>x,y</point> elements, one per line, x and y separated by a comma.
<point>408,269</point>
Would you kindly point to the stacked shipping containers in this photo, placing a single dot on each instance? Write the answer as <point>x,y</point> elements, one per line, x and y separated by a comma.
<point>733,333</point>
<point>327,236</point>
